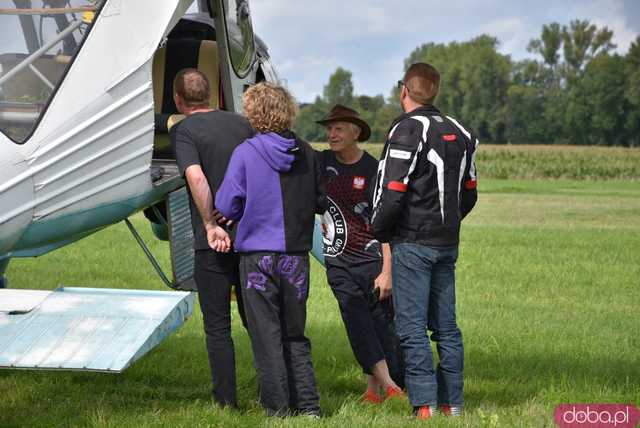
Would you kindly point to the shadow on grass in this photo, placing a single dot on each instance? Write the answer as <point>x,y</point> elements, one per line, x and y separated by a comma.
<point>507,379</point>
<point>173,376</point>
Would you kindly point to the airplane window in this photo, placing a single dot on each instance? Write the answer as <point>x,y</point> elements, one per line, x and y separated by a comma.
<point>38,41</point>
<point>239,35</point>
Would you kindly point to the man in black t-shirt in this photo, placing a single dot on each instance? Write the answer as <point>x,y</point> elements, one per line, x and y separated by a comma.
<point>203,143</point>
<point>358,266</point>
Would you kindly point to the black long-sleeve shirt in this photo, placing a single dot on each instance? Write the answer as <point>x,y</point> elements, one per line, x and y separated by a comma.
<point>426,181</point>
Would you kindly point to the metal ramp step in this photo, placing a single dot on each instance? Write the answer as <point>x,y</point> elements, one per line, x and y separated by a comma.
<point>86,329</point>
<point>181,239</point>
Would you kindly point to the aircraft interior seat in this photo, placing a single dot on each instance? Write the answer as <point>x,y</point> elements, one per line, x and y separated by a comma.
<point>176,55</point>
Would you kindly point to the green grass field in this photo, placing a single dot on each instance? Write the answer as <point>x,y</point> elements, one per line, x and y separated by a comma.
<point>548,292</point>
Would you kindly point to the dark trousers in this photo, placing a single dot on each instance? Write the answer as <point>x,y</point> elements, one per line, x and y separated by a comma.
<point>275,289</point>
<point>215,274</point>
<point>368,321</point>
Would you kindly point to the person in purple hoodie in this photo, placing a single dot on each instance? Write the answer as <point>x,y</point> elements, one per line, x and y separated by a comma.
<point>272,187</point>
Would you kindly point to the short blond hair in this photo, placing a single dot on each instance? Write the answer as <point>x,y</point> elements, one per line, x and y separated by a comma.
<point>269,107</point>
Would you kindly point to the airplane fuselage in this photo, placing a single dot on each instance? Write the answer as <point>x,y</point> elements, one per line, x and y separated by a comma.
<point>87,163</point>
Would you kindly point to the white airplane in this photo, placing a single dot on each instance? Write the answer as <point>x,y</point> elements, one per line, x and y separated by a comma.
<point>85,107</point>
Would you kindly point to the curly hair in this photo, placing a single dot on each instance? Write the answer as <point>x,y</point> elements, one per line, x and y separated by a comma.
<point>269,107</point>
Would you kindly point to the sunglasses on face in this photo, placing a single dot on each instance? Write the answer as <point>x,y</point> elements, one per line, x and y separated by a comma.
<point>401,84</point>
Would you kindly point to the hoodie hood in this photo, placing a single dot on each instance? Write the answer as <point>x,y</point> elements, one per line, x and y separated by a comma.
<point>275,149</point>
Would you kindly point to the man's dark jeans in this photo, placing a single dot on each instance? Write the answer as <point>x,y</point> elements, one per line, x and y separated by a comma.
<point>215,274</point>
<point>275,288</point>
<point>424,298</point>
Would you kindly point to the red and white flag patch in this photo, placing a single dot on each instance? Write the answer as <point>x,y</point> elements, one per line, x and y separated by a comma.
<point>358,182</point>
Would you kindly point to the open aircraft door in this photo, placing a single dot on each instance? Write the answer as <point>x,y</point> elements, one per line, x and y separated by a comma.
<point>237,49</point>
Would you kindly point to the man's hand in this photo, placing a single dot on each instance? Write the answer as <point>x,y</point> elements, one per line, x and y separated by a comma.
<point>218,238</point>
<point>383,283</point>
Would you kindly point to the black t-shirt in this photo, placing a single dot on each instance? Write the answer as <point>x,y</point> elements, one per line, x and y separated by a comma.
<point>208,139</point>
<point>348,236</point>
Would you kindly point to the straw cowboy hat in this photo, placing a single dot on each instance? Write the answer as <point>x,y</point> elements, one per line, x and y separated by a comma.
<point>340,113</point>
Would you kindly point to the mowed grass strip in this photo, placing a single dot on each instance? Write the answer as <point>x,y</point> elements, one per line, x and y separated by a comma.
<point>548,293</point>
<point>522,161</point>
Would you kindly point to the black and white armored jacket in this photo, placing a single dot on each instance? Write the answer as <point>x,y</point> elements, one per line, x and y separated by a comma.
<point>426,181</point>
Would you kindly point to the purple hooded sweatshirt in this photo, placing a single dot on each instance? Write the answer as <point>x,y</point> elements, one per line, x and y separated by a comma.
<point>263,190</point>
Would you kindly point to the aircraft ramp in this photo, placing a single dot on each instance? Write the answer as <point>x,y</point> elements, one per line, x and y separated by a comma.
<point>86,329</point>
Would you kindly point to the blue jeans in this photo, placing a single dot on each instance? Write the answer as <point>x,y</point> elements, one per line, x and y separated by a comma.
<point>424,297</point>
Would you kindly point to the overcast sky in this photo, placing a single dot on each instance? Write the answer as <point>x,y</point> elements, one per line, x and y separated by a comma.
<point>309,39</point>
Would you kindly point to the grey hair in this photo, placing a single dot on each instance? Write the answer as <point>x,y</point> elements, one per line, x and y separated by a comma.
<point>356,129</point>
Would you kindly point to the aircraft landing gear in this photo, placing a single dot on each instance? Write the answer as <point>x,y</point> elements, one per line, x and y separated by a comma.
<point>4,282</point>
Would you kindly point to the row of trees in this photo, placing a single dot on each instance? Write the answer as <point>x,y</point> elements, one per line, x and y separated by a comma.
<point>576,91</point>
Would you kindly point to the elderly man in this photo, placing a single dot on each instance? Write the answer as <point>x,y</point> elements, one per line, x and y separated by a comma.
<point>426,185</point>
<point>204,142</point>
<point>358,267</point>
